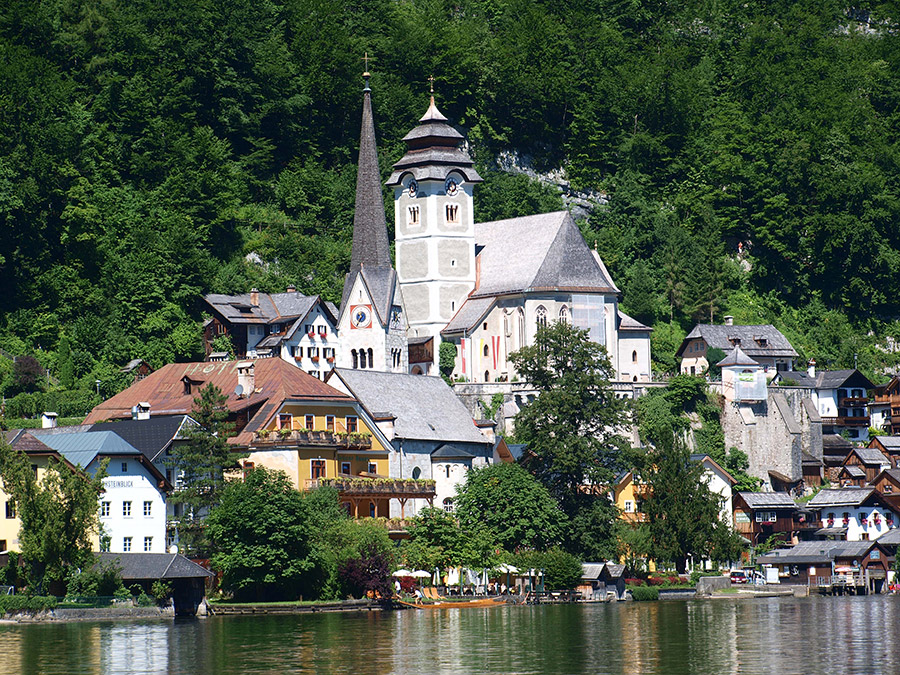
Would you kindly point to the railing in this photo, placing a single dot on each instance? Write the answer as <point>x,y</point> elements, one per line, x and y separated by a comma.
<point>389,487</point>
<point>359,440</point>
<point>853,402</point>
<point>847,421</point>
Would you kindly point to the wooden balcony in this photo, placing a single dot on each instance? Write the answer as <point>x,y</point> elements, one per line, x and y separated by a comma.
<point>846,421</point>
<point>298,437</point>
<point>850,402</point>
<point>386,488</point>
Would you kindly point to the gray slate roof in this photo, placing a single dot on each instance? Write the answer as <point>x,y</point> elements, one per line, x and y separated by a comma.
<point>737,357</point>
<point>833,444</point>
<point>840,497</point>
<point>828,379</point>
<point>383,286</point>
<point>890,442</point>
<point>871,456</point>
<point>152,436</point>
<point>720,337</point>
<point>447,451</point>
<point>81,448</point>
<point>627,323</point>
<point>471,313</point>
<point>136,566</point>
<point>424,407</point>
<point>890,538</point>
<point>817,551</point>
<point>855,471</point>
<point>272,307</point>
<point>771,500</point>
<point>556,257</point>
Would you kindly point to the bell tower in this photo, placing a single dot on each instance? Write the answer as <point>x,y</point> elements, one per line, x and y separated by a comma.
<point>434,225</point>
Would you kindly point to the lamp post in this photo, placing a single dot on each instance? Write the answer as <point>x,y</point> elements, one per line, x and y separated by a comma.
<point>97,382</point>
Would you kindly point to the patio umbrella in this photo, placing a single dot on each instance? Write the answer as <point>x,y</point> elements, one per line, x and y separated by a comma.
<point>404,573</point>
<point>420,574</point>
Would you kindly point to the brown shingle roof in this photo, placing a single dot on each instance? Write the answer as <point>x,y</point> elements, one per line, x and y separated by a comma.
<point>274,380</point>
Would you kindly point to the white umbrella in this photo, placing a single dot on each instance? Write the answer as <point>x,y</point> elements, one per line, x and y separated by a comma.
<point>420,574</point>
<point>508,569</point>
<point>403,573</point>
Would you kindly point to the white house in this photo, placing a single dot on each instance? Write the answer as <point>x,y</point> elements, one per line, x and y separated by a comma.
<point>859,514</point>
<point>720,483</point>
<point>133,504</point>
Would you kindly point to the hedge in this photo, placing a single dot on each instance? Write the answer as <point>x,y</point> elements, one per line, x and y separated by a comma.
<point>26,603</point>
<point>25,423</point>
<point>644,593</point>
<point>69,403</point>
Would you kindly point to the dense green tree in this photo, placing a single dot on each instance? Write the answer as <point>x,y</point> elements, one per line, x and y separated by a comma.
<point>512,505</point>
<point>438,538</point>
<point>199,466</point>
<point>561,569</point>
<point>572,429</point>
<point>262,536</point>
<point>683,515</point>
<point>58,515</point>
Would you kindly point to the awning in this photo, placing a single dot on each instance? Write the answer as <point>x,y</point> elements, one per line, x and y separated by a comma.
<point>831,532</point>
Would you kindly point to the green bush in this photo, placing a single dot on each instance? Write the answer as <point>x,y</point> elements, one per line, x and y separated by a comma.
<point>10,604</point>
<point>100,580</point>
<point>644,593</point>
<point>67,403</point>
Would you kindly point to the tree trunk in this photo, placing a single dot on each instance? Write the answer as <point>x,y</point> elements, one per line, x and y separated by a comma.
<point>681,565</point>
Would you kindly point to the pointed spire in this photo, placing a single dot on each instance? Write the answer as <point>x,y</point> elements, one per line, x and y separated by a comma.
<point>370,239</point>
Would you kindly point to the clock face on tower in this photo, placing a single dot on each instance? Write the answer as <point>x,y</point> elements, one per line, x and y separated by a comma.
<point>360,316</point>
<point>413,188</point>
<point>451,186</point>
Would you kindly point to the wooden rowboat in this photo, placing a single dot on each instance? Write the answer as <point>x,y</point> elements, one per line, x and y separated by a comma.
<point>499,601</point>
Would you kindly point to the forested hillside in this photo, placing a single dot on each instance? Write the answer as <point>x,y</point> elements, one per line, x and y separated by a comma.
<point>154,151</point>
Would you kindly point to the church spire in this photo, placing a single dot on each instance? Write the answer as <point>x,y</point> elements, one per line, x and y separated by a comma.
<point>370,240</point>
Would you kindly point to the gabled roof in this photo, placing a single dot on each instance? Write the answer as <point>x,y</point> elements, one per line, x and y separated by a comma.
<point>155,566</point>
<point>869,456</point>
<point>556,257</point>
<point>706,459</point>
<point>737,357</point>
<point>818,551</point>
<point>722,337</point>
<point>83,448</point>
<point>770,500</point>
<point>447,451</point>
<point>893,474</point>
<point>827,379</point>
<point>382,285</point>
<point>854,471</point>
<point>889,442</point>
<point>274,380</point>
<point>833,444</point>
<point>22,440</point>
<point>271,307</point>
<point>152,437</point>
<point>469,315</point>
<point>423,407</point>
<point>626,323</point>
<point>841,497</point>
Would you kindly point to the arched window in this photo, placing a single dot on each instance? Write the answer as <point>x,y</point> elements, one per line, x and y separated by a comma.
<point>362,358</point>
<point>485,350</point>
<point>487,376</point>
<point>448,471</point>
<point>355,359</point>
<point>371,358</point>
<point>521,318</point>
<point>448,505</point>
<point>541,315</point>
<point>417,472</point>
<point>634,356</point>
<point>564,314</point>
<point>372,510</point>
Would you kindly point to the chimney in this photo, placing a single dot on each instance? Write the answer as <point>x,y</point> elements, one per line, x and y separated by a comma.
<point>811,369</point>
<point>729,320</point>
<point>292,289</point>
<point>141,411</point>
<point>48,420</point>
<point>246,378</point>
<point>254,297</point>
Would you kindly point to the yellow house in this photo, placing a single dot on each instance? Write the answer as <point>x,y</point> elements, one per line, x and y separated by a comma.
<point>629,496</point>
<point>39,455</point>
<point>332,442</point>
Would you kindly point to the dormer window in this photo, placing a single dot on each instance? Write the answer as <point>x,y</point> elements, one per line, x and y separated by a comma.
<point>735,341</point>
<point>762,342</point>
<point>452,211</point>
<point>413,215</point>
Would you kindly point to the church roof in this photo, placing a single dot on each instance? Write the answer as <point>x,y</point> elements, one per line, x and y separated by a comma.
<point>737,357</point>
<point>371,250</point>
<point>470,314</point>
<point>627,323</point>
<point>555,258</point>
<point>423,407</point>
<point>433,151</point>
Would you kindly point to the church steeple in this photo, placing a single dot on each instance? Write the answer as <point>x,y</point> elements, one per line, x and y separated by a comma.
<point>370,239</point>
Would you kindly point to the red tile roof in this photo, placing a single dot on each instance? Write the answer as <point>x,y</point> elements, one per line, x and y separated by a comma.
<point>275,380</point>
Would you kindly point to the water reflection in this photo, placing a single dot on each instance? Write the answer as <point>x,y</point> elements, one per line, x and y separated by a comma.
<point>783,635</point>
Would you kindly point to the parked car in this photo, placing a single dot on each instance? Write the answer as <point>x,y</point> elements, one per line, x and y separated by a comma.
<point>739,577</point>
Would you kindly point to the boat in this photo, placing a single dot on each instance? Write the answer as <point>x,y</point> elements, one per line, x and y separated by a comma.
<point>498,601</point>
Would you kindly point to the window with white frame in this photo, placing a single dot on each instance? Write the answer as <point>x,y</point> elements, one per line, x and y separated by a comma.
<point>126,544</point>
<point>148,509</point>
<point>104,509</point>
<point>541,315</point>
<point>766,516</point>
<point>629,506</point>
<point>148,544</point>
<point>126,509</point>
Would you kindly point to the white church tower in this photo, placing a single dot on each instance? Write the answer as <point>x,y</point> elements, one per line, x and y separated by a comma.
<point>434,226</point>
<point>372,323</point>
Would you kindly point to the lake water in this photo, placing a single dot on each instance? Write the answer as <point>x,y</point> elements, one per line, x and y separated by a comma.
<point>764,635</point>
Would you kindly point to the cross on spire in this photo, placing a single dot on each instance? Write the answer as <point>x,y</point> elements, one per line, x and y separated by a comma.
<point>431,80</point>
<point>365,58</point>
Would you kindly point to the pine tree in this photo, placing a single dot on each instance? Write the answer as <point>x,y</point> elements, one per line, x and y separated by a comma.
<point>200,466</point>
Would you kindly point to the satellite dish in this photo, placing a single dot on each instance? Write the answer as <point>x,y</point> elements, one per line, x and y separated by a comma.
<point>238,390</point>
<point>173,548</point>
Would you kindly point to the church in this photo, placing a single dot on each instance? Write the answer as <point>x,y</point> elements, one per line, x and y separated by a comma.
<point>485,288</point>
